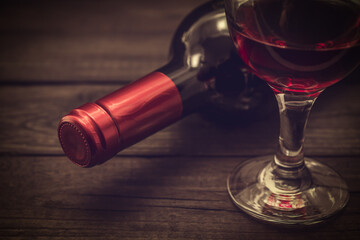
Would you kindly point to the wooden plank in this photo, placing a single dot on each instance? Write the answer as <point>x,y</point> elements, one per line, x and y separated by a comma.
<point>77,41</point>
<point>137,198</point>
<point>29,116</point>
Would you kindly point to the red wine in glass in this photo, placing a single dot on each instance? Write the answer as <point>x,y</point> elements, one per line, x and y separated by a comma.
<point>298,56</point>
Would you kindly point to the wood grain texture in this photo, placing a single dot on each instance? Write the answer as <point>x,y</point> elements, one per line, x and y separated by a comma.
<point>57,55</point>
<point>141,198</point>
<point>85,41</point>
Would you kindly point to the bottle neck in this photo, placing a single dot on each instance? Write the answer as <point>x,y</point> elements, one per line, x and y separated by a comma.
<point>193,90</point>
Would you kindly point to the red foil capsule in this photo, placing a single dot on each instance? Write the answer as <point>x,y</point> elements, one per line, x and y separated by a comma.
<point>95,132</point>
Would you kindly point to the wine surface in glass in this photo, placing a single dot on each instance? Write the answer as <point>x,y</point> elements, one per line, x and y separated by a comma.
<point>298,46</point>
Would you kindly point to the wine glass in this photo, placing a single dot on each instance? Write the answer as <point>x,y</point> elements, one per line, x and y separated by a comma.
<point>299,48</point>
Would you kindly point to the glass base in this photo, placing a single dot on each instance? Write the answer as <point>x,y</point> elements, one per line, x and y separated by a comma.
<point>256,188</point>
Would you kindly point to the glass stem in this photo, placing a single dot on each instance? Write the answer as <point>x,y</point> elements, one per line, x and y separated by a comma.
<point>294,112</point>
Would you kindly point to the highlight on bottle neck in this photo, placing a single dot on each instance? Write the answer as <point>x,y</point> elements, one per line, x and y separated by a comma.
<point>95,132</point>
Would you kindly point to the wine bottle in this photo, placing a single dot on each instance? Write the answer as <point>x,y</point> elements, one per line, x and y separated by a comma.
<point>203,61</point>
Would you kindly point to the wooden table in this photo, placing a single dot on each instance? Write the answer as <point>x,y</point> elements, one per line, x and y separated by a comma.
<point>57,55</point>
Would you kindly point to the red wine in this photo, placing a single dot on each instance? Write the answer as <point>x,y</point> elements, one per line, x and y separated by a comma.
<point>298,46</point>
